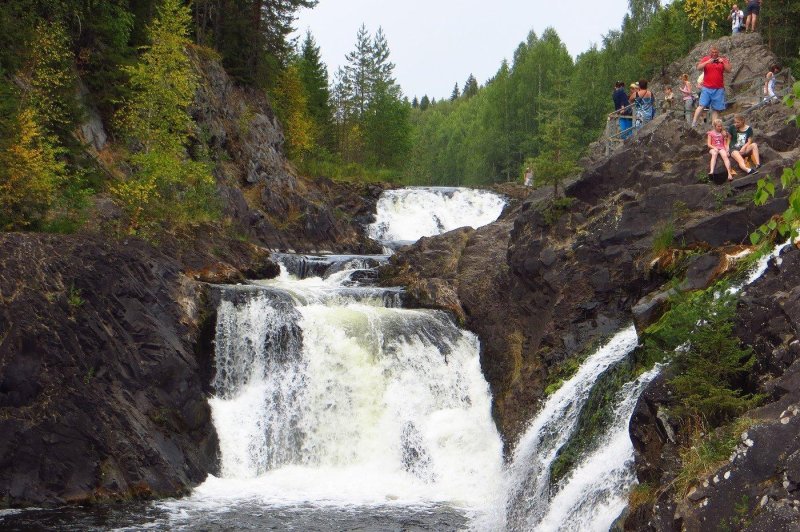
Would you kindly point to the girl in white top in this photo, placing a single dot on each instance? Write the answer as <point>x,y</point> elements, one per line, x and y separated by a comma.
<point>769,83</point>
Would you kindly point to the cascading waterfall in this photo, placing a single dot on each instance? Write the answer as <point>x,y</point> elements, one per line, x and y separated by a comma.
<point>330,396</point>
<point>406,215</point>
<point>528,495</point>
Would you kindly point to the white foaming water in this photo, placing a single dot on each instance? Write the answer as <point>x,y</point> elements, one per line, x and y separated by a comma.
<point>408,214</point>
<point>336,400</point>
<point>527,495</point>
<point>596,492</point>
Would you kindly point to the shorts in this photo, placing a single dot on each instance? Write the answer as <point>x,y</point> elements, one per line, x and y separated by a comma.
<point>714,98</point>
<point>753,8</point>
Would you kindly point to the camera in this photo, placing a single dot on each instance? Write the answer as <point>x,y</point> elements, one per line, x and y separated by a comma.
<point>715,60</point>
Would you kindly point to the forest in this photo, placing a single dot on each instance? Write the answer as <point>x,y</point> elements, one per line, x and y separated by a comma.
<point>132,60</point>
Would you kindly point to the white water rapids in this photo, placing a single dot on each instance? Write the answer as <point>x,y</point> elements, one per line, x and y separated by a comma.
<point>338,399</point>
<point>406,215</point>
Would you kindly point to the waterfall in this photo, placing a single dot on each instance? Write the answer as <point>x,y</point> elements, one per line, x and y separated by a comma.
<point>406,215</point>
<point>595,493</point>
<point>325,393</point>
<point>528,491</point>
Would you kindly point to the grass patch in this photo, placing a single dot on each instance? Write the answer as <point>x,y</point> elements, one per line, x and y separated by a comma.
<point>706,453</point>
<point>664,238</point>
<point>643,494</point>
<point>74,298</point>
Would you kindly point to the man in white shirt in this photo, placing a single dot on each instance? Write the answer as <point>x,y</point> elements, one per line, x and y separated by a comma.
<point>736,17</point>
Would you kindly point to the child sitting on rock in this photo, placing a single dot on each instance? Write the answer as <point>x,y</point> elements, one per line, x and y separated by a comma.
<point>718,142</point>
<point>741,136</point>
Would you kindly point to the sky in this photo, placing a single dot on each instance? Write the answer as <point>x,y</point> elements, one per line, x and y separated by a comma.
<point>436,43</point>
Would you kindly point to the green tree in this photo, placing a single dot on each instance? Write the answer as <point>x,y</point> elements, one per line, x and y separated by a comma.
<point>371,113</point>
<point>558,156</point>
<point>470,87</point>
<point>314,77</point>
<point>666,38</point>
<point>424,103</point>
<point>51,75</point>
<point>251,35</point>
<point>166,185</point>
<point>291,105</point>
<point>455,94</point>
<point>387,127</point>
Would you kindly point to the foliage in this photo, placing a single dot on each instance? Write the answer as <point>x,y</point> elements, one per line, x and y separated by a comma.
<point>52,80</point>
<point>707,12</point>
<point>667,37</point>
<point>30,174</point>
<point>165,186</point>
<point>371,118</point>
<point>787,223</point>
<point>705,453</point>
<point>778,22</point>
<point>251,35</point>
<point>557,158</point>
<point>314,77</point>
<point>711,370</point>
<point>291,106</point>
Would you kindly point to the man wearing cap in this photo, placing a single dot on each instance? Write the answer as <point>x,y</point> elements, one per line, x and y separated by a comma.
<point>712,92</point>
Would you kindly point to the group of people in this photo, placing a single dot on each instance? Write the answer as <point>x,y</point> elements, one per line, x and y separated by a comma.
<point>736,143</point>
<point>634,109</point>
<point>741,22</point>
<point>638,107</point>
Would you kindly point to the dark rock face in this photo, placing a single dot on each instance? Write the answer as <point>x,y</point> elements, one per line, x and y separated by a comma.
<point>101,394</point>
<point>758,489</point>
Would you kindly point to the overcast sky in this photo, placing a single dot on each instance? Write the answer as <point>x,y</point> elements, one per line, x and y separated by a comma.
<point>436,43</point>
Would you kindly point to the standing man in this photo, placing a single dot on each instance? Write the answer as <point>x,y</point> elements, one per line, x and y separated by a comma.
<point>712,92</point>
<point>528,177</point>
<point>623,110</point>
<point>736,17</point>
<point>753,9</point>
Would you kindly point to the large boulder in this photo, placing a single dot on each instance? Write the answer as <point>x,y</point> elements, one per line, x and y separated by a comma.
<point>102,390</point>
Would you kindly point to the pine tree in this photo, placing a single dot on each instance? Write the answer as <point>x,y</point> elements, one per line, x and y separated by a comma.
<point>470,87</point>
<point>371,114</point>
<point>414,103</point>
<point>455,94</point>
<point>358,71</point>
<point>424,103</point>
<point>314,77</point>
